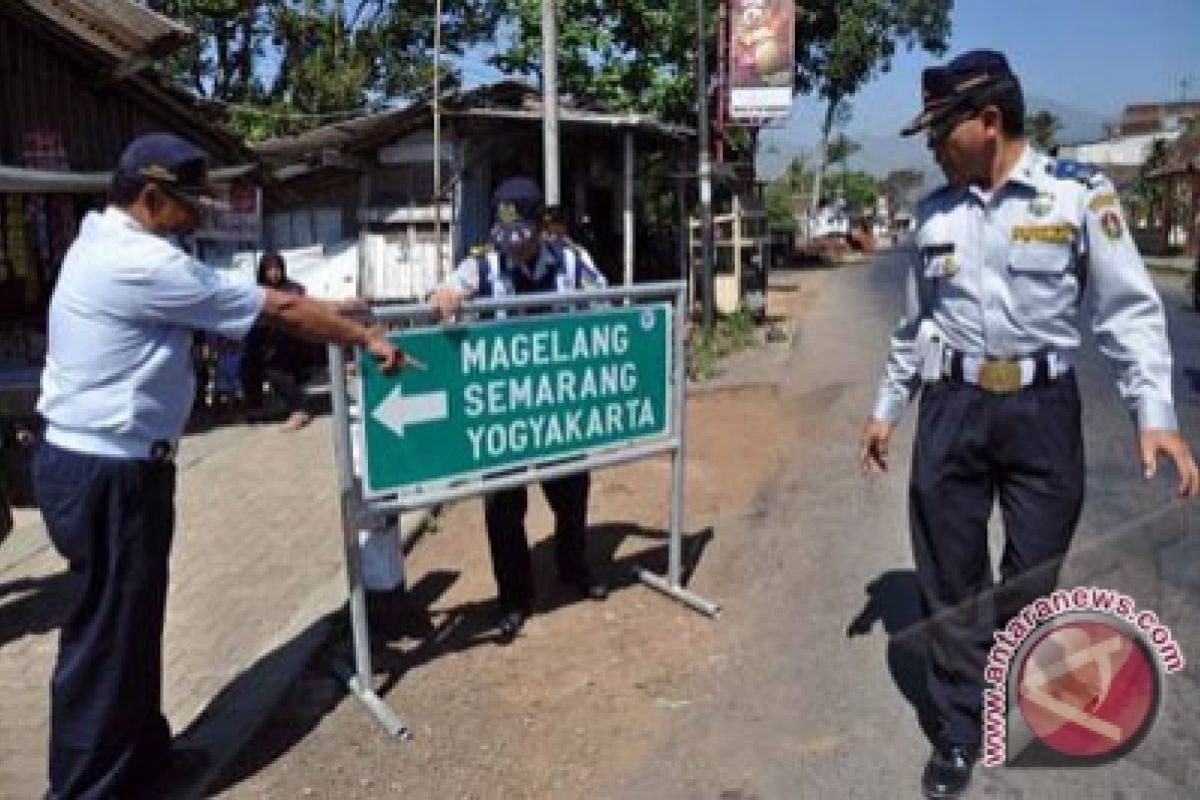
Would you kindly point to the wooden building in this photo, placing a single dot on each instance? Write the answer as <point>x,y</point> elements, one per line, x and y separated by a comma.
<point>375,175</point>
<point>75,87</point>
<point>1179,179</point>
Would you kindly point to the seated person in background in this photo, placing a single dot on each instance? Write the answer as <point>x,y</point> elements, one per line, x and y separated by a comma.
<point>275,356</point>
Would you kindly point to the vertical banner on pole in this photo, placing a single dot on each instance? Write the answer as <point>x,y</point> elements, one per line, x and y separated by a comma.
<point>762,58</point>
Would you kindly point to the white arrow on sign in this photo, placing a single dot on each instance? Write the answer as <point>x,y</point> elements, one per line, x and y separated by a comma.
<point>397,411</point>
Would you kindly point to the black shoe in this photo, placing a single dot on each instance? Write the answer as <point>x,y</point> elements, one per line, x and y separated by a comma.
<point>948,772</point>
<point>511,622</point>
<point>587,584</point>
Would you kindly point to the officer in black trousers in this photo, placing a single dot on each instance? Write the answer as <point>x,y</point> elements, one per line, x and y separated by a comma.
<point>521,261</point>
<point>116,392</point>
<point>1003,256</point>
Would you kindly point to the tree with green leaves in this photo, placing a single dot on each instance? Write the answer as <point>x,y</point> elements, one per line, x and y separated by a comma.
<point>1146,198</point>
<point>636,55</point>
<point>283,66</point>
<point>840,150</point>
<point>780,204</point>
<point>797,175</point>
<point>1042,129</point>
<point>842,44</point>
<point>859,189</point>
<point>899,186</point>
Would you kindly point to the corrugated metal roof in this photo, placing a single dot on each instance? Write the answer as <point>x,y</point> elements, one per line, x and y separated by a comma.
<point>122,29</point>
<point>507,99</point>
<point>111,40</point>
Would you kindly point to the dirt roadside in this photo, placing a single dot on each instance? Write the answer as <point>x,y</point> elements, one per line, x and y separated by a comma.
<point>588,688</point>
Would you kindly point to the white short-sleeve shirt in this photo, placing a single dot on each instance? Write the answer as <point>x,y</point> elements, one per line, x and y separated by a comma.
<point>118,372</point>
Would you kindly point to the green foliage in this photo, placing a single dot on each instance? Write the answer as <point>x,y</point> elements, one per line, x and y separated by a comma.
<point>1042,129</point>
<point>780,207</point>
<point>634,55</point>
<point>841,148</point>
<point>284,66</point>
<point>1145,196</point>
<point>841,44</point>
<point>730,334</point>
<point>798,175</point>
<point>859,189</point>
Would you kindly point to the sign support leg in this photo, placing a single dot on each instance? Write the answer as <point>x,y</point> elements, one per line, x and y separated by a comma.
<point>672,584</point>
<point>358,681</point>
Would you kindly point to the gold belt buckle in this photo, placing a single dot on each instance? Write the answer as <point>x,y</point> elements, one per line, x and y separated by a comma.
<point>1000,375</point>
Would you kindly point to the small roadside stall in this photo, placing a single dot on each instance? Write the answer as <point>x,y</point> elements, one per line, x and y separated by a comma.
<point>372,180</point>
<point>75,90</point>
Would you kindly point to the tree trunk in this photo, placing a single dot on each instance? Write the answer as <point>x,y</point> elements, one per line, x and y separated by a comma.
<point>826,128</point>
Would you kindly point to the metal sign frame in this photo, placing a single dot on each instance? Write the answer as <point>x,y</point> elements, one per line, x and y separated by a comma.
<point>355,506</point>
<point>424,489</point>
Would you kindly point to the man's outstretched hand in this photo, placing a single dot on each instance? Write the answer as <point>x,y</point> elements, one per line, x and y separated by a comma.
<point>389,357</point>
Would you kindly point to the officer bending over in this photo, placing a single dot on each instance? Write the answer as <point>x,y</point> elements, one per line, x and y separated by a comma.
<point>522,262</point>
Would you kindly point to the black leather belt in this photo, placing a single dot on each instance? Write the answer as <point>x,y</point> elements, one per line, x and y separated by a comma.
<point>1004,375</point>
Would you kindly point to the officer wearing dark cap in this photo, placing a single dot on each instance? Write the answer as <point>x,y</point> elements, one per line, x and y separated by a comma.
<point>520,260</point>
<point>116,392</point>
<point>1004,255</point>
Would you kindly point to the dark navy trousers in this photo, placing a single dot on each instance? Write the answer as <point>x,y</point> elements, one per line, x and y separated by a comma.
<point>504,513</point>
<point>112,520</point>
<point>972,448</point>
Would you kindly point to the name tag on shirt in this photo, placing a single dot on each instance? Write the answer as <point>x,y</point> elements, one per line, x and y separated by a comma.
<point>1045,234</point>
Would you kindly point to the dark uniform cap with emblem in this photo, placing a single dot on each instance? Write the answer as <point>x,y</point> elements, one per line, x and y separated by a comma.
<point>960,85</point>
<point>171,161</point>
<point>517,208</point>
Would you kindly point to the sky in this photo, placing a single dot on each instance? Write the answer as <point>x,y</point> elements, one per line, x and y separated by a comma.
<point>1094,55</point>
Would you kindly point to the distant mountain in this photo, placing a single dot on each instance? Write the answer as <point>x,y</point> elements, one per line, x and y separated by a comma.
<point>880,154</point>
<point>1078,125</point>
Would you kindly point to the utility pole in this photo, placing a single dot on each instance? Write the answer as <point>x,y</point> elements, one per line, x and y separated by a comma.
<point>550,104</point>
<point>706,220</point>
<point>437,141</point>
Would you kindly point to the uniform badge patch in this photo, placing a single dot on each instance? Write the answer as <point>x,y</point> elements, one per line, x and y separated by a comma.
<point>1110,223</point>
<point>1041,205</point>
<point>1104,201</point>
<point>506,213</point>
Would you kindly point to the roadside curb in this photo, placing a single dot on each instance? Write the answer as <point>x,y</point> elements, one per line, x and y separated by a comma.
<point>232,718</point>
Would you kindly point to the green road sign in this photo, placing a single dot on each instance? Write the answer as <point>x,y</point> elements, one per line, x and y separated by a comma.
<point>502,394</point>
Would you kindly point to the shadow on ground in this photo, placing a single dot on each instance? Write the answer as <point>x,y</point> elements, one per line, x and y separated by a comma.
<point>894,599</point>
<point>33,606</point>
<point>417,641</point>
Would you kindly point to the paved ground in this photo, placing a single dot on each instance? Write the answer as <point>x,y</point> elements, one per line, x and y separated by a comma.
<point>256,567</point>
<point>808,684</point>
<point>805,687</point>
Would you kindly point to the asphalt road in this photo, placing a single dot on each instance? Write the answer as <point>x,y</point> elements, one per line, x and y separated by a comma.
<point>815,687</point>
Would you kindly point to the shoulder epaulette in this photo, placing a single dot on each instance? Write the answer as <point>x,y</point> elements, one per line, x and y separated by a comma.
<point>1066,169</point>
